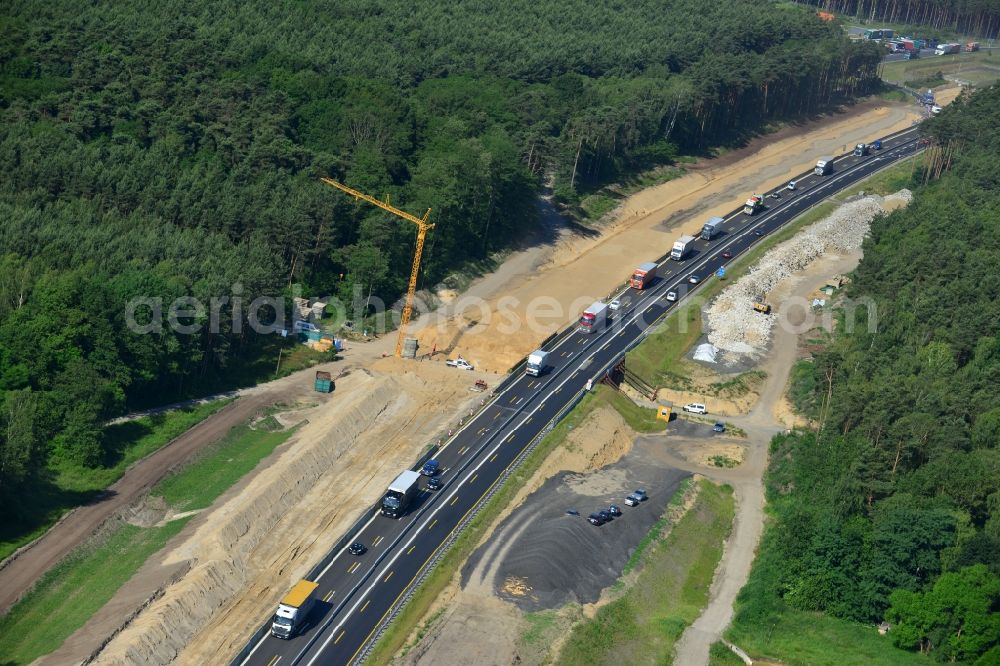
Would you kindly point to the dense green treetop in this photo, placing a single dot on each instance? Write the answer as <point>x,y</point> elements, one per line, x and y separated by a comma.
<point>892,508</point>
<point>173,149</point>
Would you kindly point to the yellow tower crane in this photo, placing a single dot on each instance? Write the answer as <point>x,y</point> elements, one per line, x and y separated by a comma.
<point>422,227</point>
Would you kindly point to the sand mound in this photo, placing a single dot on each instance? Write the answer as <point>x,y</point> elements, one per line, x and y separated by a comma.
<point>250,549</point>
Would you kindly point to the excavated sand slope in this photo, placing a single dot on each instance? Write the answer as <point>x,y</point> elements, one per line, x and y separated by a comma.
<point>252,548</point>
<point>497,333</point>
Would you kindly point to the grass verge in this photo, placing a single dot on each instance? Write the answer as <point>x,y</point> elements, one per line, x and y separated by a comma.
<point>659,356</point>
<point>720,655</point>
<point>885,182</point>
<point>218,467</point>
<point>981,68</point>
<point>70,485</point>
<point>671,589</point>
<point>799,638</point>
<point>69,594</point>
<point>655,534</point>
<point>640,419</point>
<point>406,622</point>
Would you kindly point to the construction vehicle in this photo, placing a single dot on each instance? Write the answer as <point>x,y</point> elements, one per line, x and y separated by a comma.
<point>971,47</point>
<point>712,228</point>
<point>324,382</point>
<point>643,276</point>
<point>400,494</point>
<point>593,318</point>
<point>761,305</point>
<point>753,205</point>
<point>294,609</point>
<point>681,248</point>
<point>422,228</point>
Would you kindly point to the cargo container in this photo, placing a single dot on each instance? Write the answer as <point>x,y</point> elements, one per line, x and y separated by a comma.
<point>324,382</point>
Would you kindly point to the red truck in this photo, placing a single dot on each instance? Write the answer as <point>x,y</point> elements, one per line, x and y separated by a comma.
<point>593,318</point>
<point>643,276</point>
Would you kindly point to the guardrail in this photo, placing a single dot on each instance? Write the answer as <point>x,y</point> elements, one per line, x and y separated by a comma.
<point>513,375</point>
<point>449,542</point>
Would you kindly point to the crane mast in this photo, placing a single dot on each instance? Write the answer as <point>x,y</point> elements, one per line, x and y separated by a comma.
<point>422,227</point>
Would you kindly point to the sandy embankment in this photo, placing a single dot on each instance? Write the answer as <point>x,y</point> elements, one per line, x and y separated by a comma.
<point>251,549</point>
<point>471,625</point>
<point>496,333</point>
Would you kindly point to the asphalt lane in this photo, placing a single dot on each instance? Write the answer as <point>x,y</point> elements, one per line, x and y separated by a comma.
<point>358,593</point>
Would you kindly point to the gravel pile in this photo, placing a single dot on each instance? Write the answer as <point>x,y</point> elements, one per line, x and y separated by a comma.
<point>734,326</point>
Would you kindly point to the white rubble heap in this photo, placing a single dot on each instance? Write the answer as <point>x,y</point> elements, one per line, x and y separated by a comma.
<point>734,327</point>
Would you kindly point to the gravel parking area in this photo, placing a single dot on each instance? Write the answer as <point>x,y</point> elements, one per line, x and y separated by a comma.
<point>557,557</point>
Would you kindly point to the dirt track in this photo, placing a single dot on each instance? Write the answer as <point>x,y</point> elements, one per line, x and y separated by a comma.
<point>28,565</point>
<point>712,187</point>
<point>760,424</point>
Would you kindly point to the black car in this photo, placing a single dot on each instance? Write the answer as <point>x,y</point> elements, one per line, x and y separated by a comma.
<point>434,483</point>
<point>358,548</point>
<point>605,514</point>
<point>596,519</point>
<point>614,510</point>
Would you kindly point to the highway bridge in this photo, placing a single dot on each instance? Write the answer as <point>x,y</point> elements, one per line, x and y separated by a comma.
<point>360,595</point>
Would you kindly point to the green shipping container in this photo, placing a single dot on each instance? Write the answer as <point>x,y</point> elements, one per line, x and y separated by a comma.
<point>324,385</point>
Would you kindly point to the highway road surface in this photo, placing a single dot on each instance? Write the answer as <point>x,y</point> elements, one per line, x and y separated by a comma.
<point>359,594</point>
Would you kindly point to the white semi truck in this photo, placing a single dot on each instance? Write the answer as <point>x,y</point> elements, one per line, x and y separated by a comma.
<point>537,363</point>
<point>824,166</point>
<point>682,247</point>
<point>400,494</point>
<point>294,609</point>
